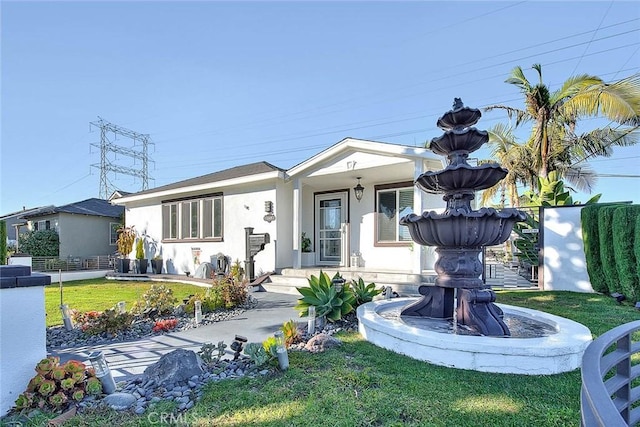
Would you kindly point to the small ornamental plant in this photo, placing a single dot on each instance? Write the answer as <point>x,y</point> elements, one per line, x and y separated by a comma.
<point>56,386</point>
<point>165,325</point>
<point>110,321</point>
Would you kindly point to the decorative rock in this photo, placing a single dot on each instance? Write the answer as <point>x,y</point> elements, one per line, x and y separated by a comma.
<point>139,410</point>
<point>119,401</point>
<point>322,342</point>
<point>177,366</point>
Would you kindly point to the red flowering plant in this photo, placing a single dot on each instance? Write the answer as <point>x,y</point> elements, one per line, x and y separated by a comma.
<point>165,325</point>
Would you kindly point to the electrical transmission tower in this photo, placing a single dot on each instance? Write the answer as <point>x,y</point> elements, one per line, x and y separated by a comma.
<point>106,146</point>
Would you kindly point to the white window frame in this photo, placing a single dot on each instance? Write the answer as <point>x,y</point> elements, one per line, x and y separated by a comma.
<point>185,227</point>
<point>400,230</point>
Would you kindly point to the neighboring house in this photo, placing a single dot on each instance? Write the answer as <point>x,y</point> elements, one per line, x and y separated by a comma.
<point>16,224</point>
<point>190,221</point>
<point>86,228</point>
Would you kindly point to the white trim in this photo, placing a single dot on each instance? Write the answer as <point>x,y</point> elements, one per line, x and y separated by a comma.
<point>362,146</point>
<point>216,185</point>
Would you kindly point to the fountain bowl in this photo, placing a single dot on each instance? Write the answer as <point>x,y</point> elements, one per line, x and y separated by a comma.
<point>547,355</point>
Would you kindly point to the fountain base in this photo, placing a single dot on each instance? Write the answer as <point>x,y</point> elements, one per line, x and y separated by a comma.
<point>553,354</point>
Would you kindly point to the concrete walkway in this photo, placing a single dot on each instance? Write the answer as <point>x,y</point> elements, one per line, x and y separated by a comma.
<point>127,359</point>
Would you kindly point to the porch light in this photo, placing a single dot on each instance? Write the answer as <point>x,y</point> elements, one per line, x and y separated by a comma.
<point>281,351</point>
<point>358,190</point>
<point>103,373</point>
<point>338,282</point>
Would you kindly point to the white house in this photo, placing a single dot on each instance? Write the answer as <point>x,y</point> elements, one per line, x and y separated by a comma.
<point>190,221</point>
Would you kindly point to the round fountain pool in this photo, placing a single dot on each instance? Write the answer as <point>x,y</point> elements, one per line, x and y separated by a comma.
<point>541,343</point>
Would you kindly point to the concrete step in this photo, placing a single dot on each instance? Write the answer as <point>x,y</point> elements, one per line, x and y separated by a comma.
<point>403,283</point>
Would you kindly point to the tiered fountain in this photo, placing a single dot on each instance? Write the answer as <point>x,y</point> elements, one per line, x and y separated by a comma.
<point>456,322</point>
<point>460,232</point>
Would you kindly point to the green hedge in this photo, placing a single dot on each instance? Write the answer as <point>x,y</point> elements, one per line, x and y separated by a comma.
<point>591,239</point>
<point>623,226</point>
<point>607,255</point>
<point>3,242</point>
<point>636,247</point>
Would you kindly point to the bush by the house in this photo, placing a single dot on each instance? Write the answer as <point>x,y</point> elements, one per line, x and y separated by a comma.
<point>232,292</point>
<point>40,243</point>
<point>623,226</point>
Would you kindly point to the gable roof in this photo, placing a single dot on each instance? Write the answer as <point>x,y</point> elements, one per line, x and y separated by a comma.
<point>361,145</point>
<point>93,206</point>
<point>23,212</point>
<point>234,174</point>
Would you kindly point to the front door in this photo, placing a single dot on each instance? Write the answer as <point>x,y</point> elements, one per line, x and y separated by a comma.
<point>331,217</point>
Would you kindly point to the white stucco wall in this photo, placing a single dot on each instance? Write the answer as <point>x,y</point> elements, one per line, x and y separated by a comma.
<point>565,266</point>
<point>22,340</point>
<point>242,207</point>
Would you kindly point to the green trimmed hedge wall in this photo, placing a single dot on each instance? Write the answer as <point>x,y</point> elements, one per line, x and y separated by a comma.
<point>607,256</point>
<point>3,242</point>
<point>636,247</point>
<point>591,240</point>
<point>624,242</point>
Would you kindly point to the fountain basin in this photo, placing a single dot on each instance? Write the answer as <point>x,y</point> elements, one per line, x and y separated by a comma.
<point>484,227</point>
<point>546,355</point>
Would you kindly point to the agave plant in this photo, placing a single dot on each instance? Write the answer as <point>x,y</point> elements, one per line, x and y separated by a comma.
<point>322,294</point>
<point>364,293</point>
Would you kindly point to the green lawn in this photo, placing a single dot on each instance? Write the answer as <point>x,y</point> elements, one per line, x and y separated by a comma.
<point>360,384</point>
<point>100,294</point>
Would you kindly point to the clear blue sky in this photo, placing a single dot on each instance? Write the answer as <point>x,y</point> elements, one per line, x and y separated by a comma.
<point>222,84</point>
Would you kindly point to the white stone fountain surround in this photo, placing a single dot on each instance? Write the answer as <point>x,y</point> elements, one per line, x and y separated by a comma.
<point>560,352</point>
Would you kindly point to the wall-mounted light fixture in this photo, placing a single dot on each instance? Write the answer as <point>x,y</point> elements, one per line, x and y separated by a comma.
<point>268,208</point>
<point>358,190</point>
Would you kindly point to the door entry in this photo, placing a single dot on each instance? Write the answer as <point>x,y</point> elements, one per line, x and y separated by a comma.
<point>331,218</point>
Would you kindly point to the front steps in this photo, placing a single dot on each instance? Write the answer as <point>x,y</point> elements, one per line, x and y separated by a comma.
<point>403,283</point>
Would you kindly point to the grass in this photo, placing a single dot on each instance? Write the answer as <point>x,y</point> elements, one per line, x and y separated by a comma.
<point>100,294</point>
<point>359,384</point>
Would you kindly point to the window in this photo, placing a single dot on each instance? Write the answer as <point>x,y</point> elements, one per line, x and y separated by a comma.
<point>391,201</point>
<point>113,232</point>
<point>193,219</point>
<point>41,225</point>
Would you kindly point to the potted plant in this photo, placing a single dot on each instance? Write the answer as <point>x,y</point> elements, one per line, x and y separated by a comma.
<point>141,262</point>
<point>156,264</point>
<point>126,237</point>
<point>308,256</point>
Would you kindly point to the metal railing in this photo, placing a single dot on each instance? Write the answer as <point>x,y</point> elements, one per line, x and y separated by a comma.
<point>98,262</point>
<point>608,394</point>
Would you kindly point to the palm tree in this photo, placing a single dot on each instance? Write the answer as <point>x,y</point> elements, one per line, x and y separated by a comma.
<point>516,158</point>
<point>553,142</point>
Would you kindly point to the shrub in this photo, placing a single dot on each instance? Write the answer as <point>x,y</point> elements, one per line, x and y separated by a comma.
<point>232,292</point>
<point>126,237</point>
<point>237,272</point>
<point>158,299</point>
<point>140,248</point>
<point>591,239</point>
<point>624,221</point>
<point>165,325</point>
<point>110,321</point>
<point>40,243</point>
<point>3,242</point>
<point>636,246</point>
<point>607,255</point>
<point>322,294</point>
<point>209,303</point>
<point>57,386</point>
<point>364,293</point>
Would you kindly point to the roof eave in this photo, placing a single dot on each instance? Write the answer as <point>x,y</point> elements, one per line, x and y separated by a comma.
<point>199,188</point>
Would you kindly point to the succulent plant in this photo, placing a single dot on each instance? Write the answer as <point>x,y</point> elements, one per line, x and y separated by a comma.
<point>328,301</point>
<point>55,386</point>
